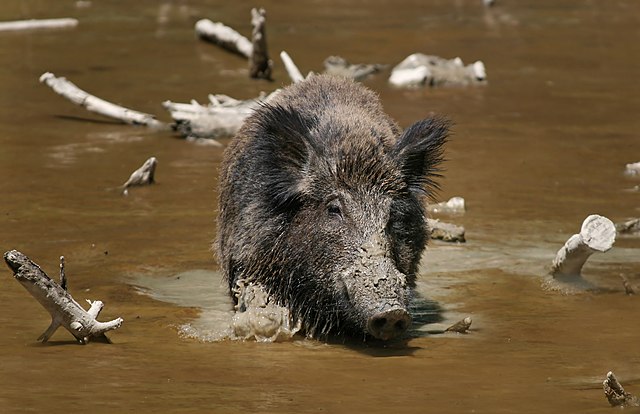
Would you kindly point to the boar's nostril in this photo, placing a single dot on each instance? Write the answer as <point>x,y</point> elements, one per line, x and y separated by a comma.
<point>388,324</point>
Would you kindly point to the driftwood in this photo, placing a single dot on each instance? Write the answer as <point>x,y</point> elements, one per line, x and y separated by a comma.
<point>419,69</point>
<point>455,205</point>
<point>460,326</point>
<point>222,117</point>
<point>629,227</point>
<point>64,310</point>
<point>38,24</point>
<point>99,106</point>
<point>597,234</point>
<point>628,289</point>
<point>336,65</point>
<point>445,231</point>
<point>291,68</point>
<point>615,393</point>
<point>142,176</point>
<point>632,169</point>
<point>254,50</point>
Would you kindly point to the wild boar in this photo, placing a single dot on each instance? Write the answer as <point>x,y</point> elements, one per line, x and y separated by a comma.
<point>322,205</point>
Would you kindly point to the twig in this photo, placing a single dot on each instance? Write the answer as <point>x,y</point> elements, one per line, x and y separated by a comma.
<point>292,69</point>
<point>64,310</point>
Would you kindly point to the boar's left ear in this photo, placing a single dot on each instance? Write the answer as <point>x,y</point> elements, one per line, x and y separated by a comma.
<point>283,152</point>
<point>419,151</point>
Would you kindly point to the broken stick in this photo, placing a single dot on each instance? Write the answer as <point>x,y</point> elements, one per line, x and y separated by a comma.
<point>292,69</point>
<point>255,49</point>
<point>64,310</point>
<point>91,103</point>
<point>596,235</point>
<point>142,176</point>
<point>616,395</point>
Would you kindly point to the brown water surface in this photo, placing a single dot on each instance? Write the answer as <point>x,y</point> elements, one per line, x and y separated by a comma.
<point>534,152</point>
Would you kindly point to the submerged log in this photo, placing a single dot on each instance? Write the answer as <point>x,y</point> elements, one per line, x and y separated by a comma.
<point>142,176</point>
<point>255,50</point>
<point>445,231</point>
<point>629,227</point>
<point>420,69</point>
<point>64,310</point>
<point>596,235</point>
<point>38,24</point>
<point>336,65</point>
<point>460,326</point>
<point>91,103</point>
<point>615,393</point>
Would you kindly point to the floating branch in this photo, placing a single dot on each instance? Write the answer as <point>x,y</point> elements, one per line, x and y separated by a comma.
<point>455,205</point>
<point>67,89</point>
<point>445,231</point>
<point>596,235</point>
<point>336,65</point>
<point>141,176</point>
<point>64,310</point>
<point>38,24</point>
<point>419,69</point>
<point>616,395</point>
<point>255,50</point>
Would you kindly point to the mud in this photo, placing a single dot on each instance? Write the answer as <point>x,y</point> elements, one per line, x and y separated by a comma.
<point>535,151</point>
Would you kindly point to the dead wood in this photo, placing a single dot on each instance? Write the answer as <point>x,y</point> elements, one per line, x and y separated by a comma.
<point>259,63</point>
<point>142,176</point>
<point>91,103</point>
<point>455,205</point>
<point>629,227</point>
<point>445,231</point>
<point>336,65</point>
<point>460,326</point>
<point>616,395</point>
<point>64,310</point>
<point>224,36</point>
<point>597,234</point>
<point>419,69</point>
<point>33,24</point>
<point>291,68</point>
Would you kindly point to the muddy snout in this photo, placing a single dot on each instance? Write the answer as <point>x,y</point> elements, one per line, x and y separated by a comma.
<point>389,324</point>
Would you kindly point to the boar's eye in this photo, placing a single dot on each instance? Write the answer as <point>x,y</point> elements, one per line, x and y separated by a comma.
<point>334,208</point>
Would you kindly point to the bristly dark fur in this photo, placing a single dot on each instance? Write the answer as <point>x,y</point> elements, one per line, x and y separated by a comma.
<point>309,178</point>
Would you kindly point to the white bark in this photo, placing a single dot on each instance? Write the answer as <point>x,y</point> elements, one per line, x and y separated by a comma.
<point>224,36</point>
<point>94,104</point>
<point>142,176</point>
<point>38,24</point>
<point>455,205</point>
<point>64,310</point>
<point>292,69</point>
<point>632,169</point>
<point>420,69</point>
<point>597,234</point>
<point>222,117</point>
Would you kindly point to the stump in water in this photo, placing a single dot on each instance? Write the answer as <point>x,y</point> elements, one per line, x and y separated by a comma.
<point>259,63</point>
<point>142,176</point>
<point>64,310</point>
<point>596,235</point>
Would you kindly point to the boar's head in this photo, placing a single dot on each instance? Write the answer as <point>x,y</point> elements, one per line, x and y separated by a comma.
<point>322,205</point>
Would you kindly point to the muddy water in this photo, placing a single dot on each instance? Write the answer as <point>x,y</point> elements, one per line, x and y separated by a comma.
<point>534,152</point>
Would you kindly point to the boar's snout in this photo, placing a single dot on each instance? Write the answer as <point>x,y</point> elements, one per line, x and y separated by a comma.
<point>389,324</point>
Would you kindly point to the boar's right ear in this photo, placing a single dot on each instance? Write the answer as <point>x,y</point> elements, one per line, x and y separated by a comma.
<point>284,146</point>
<point>419,152</point>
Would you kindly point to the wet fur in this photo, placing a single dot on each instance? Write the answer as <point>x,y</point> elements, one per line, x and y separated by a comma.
<point>322,141</point>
